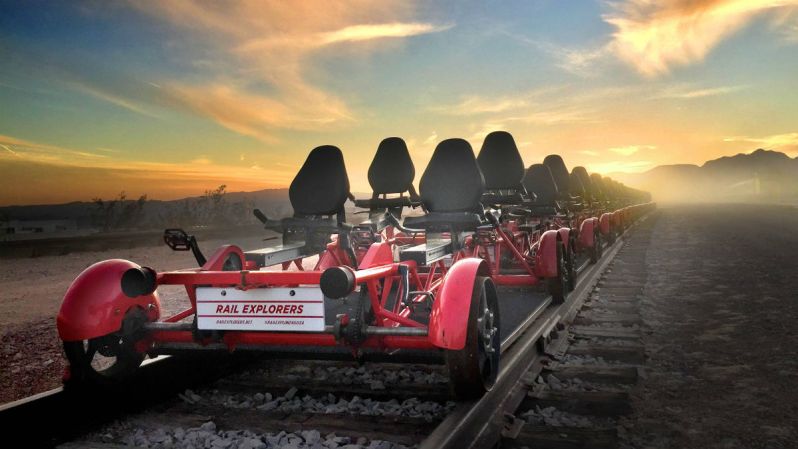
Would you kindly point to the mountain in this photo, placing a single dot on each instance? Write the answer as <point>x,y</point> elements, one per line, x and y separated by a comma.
<point>760,176</point>
<point>232,207</point>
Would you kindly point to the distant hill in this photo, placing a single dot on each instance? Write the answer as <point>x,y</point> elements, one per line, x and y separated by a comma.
<point>157,214</point>
<point>235,208</point>
<point>760,176</point>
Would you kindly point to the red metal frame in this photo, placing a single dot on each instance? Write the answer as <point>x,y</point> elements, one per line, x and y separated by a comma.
<point>450,281</point>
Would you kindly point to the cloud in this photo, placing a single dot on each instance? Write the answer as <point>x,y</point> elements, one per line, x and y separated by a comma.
<point>254,115</point>
<point>201,160</point>
<point>9,150</point>
<point>432,139</point>
<point>472,105</point>
<point>787,142</point>
<point>791,33</point>
<point>111,97</point>
<point>630,149</point>
<point>484,129</point>
<point>684,92</point>
<point>356,33</point>
<point>39,152</point>
<point>247,45</point>
<point>655,36</point>
<point>619,166</point>
<point>579,61</point>
<point>32,171</point>
<point>544,106</point>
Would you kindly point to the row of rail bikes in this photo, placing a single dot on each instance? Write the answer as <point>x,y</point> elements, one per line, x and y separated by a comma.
<point>425,282</point>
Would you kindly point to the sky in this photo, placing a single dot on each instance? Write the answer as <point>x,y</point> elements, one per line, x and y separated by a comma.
<point>173,98</point>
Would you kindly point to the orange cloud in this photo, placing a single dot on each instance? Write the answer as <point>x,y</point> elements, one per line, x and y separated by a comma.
<point>619,167</point>
<point>35,173</point>
<point>631,149</point>
<point>788,142</point>
<point>655,36</point>
<point>357,33</point>
<point>274,43</point>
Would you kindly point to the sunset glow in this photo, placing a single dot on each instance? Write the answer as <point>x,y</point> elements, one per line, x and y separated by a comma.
<point>172,98</point>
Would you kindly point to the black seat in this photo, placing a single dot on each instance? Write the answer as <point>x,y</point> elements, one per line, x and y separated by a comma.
<point>391,172</point>
<point>500,162</point>
<point>598,186</point>
<point>321,187</point>
<point>317,194</point>
<point>559,171</point>
<point>539,180</point>
<point>451,188</point>
<point>577,193</point>
<point>503,169</point>
<point>581,174</point>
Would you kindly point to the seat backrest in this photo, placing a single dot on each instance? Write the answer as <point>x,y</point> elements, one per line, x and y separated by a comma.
<point>576,186</point>
<point>559,171</point>
<point>598,185</point>
<point>391,170</point>
<point>610,188</point>
<point>452,181</point>
<point>500,162</point>
<point>321,186</point>
<point>581,173</point>
<point>539,180</point>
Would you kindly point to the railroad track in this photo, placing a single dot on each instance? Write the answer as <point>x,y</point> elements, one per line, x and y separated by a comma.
<point>581,397</point>
<point>559,386</point>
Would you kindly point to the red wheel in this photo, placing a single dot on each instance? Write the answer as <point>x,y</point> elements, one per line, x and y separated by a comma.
<point>108,359</point>
<point>473,369</point>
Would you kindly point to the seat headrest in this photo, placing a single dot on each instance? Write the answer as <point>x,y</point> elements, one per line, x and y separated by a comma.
<point>559,171</point>
<point>391,170</point>
<point>538,180</point>
<point>500,161</point>
<point>584,178</point>
<point>452,181</point>
<point>321,186</point>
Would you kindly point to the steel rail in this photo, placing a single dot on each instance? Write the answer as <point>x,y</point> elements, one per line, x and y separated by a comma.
<point>478,424</point>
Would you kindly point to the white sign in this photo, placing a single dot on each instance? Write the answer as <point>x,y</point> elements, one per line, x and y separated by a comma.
<point>261,309</point>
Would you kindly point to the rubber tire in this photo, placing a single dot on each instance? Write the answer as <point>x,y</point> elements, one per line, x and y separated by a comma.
<point>570,264</point>
<point>597,251</point>
<point>611,235</point>
<point>469,376</point>
<point>557,286</point>
<point>81,371</point>
<point>127,358</point>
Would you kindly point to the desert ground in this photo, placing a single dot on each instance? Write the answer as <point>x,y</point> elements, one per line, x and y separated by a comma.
<point>719,310</point>
<point>31,290</point>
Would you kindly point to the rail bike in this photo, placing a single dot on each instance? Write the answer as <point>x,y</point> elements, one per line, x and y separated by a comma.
<point>425,282</point>
<point>436,295</point>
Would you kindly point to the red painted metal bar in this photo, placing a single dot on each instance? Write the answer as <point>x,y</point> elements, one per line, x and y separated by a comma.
<point>518,256</point>
<point>179,316</point>
<point>386,291</point>
<point>516,279</point>
<point>238,278</point>
<point>233,338</point>
<point>398,318</point>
